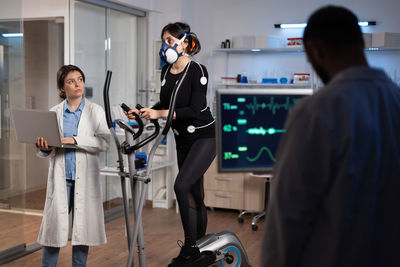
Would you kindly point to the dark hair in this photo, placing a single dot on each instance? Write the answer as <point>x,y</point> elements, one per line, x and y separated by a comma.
<point>62,73</point>
<point>175,29</point>
<point>335,26</point>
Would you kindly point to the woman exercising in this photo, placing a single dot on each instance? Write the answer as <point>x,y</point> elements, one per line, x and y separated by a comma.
<point>193,126</point>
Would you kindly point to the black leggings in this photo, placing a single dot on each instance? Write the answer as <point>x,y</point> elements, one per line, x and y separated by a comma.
<point>189,188</point>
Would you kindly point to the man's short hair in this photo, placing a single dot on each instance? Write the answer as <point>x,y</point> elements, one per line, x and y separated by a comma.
<point>335,26</point>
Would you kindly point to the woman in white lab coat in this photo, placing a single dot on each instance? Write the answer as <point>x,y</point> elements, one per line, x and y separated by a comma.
<point>73,179</point>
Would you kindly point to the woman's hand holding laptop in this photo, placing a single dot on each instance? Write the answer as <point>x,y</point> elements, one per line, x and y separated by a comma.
<point>68,140</point>
<point>42,144</point>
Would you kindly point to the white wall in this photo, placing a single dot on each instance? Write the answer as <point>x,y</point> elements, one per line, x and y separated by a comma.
<point>44,8</point>
<point>149,5</point>
<point>217,20</point>
<point>169,11</point>
<point>10,9</point>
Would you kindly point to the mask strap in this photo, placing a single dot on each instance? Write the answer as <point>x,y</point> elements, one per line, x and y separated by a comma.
<point>181,29</point>
<point>184,35</point>
<point>181,40</point>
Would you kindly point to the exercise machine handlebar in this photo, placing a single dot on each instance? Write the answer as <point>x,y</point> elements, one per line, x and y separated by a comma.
<point>106,98</point>
<point>137,119</point>
<point>130,149</point>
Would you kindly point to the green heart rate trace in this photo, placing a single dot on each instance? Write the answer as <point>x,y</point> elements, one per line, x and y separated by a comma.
<point>264,148</point>
<point>230,155</point>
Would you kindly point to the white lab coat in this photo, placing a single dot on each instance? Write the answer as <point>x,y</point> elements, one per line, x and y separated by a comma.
<point>88,224</point>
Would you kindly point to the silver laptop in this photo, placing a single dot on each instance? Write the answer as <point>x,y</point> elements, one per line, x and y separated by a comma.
<point>31,124</point>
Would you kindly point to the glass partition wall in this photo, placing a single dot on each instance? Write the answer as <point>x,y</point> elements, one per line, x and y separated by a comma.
<point>106,39</point>
<point>11,153</point>
<point>99,38</point>
<point>30,53</point>
<point>25,62</point>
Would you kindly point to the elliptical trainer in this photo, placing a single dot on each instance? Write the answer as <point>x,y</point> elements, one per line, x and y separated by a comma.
<point>222,249</point>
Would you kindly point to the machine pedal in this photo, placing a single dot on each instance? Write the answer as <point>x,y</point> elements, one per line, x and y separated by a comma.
<point>206,258</point>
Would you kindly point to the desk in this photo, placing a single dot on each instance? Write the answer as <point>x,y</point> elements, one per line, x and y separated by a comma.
<point>237,191</point>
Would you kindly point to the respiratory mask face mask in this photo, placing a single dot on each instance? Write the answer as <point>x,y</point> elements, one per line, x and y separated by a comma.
<point>168,53</point>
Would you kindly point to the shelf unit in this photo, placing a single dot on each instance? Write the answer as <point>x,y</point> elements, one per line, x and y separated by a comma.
<point>237,55</point>
<point>314,81</point>
<point>114,171</point>
<point>258,51</point>
<point>164,175</point>
<point>263,85</point>
<point>163,171</point>
<point>289,50</point>
<point>382,49</point>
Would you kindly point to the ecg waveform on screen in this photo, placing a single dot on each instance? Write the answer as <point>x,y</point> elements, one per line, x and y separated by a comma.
<point>272,106</point>
<point>264,148</point>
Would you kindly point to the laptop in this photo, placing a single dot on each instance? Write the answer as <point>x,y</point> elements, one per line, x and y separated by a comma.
<point>31,124</point>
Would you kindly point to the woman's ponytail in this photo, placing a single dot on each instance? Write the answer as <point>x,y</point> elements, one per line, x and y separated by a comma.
<point>194,46</point>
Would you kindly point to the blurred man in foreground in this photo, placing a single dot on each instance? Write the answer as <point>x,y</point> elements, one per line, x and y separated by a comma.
<point>335,193</point>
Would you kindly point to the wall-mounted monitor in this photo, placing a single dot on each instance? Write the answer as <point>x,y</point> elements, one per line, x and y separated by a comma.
<point>250,124</point>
